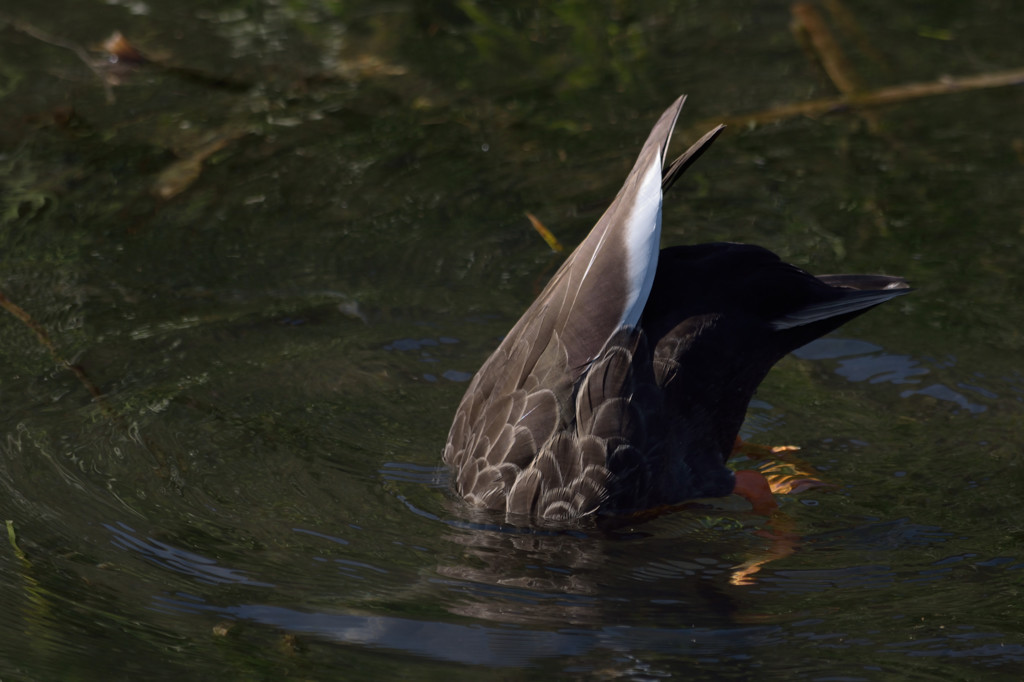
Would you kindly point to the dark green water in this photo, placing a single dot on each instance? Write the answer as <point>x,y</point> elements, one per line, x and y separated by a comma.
<point>281,344</point>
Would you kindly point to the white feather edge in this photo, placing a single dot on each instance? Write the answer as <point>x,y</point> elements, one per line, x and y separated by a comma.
<point>643,231</point>
<point>643,241</point>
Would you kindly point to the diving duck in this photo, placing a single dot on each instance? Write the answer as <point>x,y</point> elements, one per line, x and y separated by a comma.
<point>623,386</point>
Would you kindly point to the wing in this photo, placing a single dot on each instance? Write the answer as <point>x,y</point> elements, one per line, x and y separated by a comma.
<point>721,315</point>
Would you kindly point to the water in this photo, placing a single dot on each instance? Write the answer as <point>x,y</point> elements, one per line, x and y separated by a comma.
<point>281,340</point>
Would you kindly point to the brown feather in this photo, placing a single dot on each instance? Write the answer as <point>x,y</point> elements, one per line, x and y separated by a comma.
<point>522,497</point>
<point>523,448</point>
<point>498,452</point>
<point>540,415</point>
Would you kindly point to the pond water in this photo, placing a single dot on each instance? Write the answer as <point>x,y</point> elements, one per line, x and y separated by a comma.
<point>278,250</point>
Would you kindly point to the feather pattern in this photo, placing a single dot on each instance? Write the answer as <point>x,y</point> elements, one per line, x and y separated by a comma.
<point>624,384</point>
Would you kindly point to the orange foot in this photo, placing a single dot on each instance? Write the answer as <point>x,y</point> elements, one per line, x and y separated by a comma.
<point>757,451</point>
<point>756,488</point>
<point>785,473</point>
<point>779,472</point>
<point>753,486</point>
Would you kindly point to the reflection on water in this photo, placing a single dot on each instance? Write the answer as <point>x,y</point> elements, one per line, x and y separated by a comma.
<point>861,361</point>
<point>536,596</point>
<point>894,369</point>
<point>489,645</point>
<point>941,392</point>
<point>413,573</point>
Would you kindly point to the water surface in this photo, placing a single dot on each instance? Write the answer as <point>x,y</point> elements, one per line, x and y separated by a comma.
<point>284,245</point>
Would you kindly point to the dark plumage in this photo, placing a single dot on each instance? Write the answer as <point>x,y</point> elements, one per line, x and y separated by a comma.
<point>623,386</point>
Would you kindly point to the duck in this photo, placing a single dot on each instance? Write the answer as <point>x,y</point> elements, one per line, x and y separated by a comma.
<point>623,387</point>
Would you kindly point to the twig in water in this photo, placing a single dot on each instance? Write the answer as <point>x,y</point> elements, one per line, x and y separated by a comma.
<point>79,51</point>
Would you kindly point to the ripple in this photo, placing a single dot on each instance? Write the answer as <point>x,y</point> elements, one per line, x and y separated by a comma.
<point>181,561</point>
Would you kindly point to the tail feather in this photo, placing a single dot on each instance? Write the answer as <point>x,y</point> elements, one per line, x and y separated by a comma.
<point>856,300</point>
<point>687,158</point>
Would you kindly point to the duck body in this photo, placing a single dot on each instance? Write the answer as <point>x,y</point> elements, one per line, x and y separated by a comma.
<point>624,385</point>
